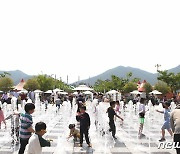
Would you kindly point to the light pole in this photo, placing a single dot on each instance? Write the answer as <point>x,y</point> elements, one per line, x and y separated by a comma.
<point>157,65</point>
<point>67,79</point>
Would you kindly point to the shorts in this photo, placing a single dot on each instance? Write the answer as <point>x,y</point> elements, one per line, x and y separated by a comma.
<point>141,120</point>
<point>166,125</point>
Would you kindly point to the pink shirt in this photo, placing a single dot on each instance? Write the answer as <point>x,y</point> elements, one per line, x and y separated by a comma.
<point>1,116</point>
<point>117,107</point>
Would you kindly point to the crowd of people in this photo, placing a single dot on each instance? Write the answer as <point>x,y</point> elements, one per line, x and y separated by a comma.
<point>25,134</point>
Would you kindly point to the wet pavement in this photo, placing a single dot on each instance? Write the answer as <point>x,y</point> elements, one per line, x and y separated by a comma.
<point>102,142</point>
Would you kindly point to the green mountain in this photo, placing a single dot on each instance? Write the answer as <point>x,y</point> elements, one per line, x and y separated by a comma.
<point>121,71</point>
<point>17,75</point>
<point>175,69</point>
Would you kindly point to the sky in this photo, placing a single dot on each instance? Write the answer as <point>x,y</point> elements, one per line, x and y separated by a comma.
<point>85,38</point>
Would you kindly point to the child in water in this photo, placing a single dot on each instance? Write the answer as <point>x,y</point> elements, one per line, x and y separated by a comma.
<point>74,132</point>
<point>166,125</point>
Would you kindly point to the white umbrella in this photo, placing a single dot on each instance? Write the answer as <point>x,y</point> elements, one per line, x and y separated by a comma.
<point>37,91</point>
<point>23,91</point>
<point>57,90</point>
<point>83,87</point>
<point>48,92</point>
<point>135,92</point>
<point>75,93</point>
<point>112,92</point>
<point>156,92</point>
<point>63,92</point>
<point>87,92</point>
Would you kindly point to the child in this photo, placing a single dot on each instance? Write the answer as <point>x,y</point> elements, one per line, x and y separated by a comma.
<point>26,126</point>
<point>141,117</point>
<point>84,119</point>
<point>117,108</point>
<point>2,117</point>
<point>166,124</point>
<point>58,102</point>
<point>111,114</point>
<point>74,132</point>
<point>36,142</point>
<point>95,104</point>
<point>14,127</point>
<point>46,104</point>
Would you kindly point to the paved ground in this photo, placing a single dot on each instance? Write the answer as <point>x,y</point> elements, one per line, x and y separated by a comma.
<point>127,142</point>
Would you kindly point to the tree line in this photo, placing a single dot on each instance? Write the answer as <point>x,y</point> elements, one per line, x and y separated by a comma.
<point>167,82</point>
<point>42,82</point>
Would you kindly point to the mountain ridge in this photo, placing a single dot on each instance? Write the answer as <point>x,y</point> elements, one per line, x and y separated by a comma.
<point>17,75</point>
<point>121,71</point>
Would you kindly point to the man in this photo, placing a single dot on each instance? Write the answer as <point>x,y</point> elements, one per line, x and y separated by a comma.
<point>175,125</point>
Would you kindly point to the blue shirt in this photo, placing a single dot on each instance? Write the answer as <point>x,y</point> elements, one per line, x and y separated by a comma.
<point>26,122</point>
<point>167,115</point>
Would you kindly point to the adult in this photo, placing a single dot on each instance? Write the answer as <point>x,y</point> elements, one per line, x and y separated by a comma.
<point>175,125</point>
<point>71,100</point>
<point>4,97</point>
<point>15,93</point>
<point>152,98</point>
<point>23,99</point>
<point>32,96</point>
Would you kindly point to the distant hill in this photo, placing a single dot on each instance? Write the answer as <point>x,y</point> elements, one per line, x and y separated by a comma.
<point>121,71</point>
<point>17,75</point>
<point>175,69</point>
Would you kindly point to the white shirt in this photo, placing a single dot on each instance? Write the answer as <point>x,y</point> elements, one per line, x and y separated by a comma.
<point>34,146</point>
<point>141,108</point>
<point>13,103</point>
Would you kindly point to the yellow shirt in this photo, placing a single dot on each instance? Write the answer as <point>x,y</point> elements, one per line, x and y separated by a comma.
<point>75,133</point>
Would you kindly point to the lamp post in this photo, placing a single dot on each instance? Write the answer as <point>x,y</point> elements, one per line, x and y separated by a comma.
<point>157,65</point>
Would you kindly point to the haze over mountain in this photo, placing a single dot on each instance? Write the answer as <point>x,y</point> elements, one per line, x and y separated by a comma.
<point>119,71</point>
<point>17,75</point>
<point>122,71</point>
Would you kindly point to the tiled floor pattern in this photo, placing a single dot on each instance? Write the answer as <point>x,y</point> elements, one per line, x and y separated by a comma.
<point>127,142</point>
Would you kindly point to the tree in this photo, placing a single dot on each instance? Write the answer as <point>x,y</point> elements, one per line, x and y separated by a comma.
<point>99,86</point>
<point>45,82</point>
<point>6,84</point>
<point>172,80</point>
<point>116,83</point>
<point>162,87</point>
<point>4,74</point>
<point>32,84</point>
<point>130,86</point>
<point>135,80</point>
<point>177,82</point>
<point>128,76</point>
<point>148,88</point>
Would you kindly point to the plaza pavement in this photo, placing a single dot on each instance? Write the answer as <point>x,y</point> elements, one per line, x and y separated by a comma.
<point>102,143</point>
